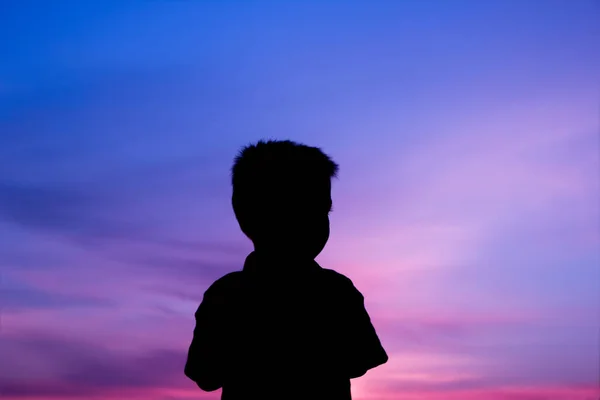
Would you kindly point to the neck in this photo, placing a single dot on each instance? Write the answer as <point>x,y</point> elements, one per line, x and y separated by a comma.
<point>279,258</point>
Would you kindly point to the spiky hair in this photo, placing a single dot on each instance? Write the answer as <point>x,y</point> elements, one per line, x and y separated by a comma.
<point>279,157</point>
<point>268,167</point>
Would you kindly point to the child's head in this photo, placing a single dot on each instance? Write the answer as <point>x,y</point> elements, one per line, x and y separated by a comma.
<point>282,197</point>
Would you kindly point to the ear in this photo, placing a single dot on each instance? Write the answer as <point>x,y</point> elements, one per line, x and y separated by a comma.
<point>244,222</point>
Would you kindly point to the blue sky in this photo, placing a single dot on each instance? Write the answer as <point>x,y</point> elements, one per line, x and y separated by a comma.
<point>466,209</point>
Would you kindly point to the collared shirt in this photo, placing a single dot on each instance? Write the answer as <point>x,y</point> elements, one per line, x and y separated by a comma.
<point>282,332</point>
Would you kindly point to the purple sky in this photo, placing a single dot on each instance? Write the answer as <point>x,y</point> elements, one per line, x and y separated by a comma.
<point>467,207</point>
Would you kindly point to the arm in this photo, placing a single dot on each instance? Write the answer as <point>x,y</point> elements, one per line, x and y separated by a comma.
<point>205,363</point>
<point>363,348</point>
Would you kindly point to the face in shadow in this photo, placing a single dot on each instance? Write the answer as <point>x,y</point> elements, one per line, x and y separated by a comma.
<point>297,225</point>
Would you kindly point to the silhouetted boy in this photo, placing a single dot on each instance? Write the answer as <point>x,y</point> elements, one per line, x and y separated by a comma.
<point>283,327</point>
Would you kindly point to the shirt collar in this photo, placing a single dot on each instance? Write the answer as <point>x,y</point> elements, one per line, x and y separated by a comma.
<point>254,263</point>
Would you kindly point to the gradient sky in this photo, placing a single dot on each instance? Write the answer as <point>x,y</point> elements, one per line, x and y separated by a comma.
<point>466,209</point>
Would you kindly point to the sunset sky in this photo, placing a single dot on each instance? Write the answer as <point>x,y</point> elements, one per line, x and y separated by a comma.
<point>467,206</point>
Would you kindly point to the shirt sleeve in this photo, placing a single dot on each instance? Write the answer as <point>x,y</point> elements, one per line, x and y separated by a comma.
<point>363,350</point>
<point>205,356</point>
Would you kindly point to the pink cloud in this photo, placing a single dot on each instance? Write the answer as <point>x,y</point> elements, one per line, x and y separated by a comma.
<point>501,393</point>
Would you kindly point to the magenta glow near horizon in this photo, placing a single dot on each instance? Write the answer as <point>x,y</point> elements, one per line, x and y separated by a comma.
<point>466,208</point>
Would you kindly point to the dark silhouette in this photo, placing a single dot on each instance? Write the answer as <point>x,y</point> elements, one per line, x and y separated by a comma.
<point>282,327</point>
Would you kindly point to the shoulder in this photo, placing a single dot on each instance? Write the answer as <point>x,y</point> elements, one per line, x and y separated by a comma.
<point>230,282</point>
<point>221,292</point>
<point>335,277</point>
<point>340,282</point>
<point>227,281</point>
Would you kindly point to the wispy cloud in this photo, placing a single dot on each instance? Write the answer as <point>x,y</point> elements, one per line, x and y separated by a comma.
<point>465,211</point>
<point>54,366</point>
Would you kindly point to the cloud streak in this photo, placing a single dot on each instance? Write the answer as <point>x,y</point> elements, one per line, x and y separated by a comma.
<point>465,211</point>
<point>78,368</point>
